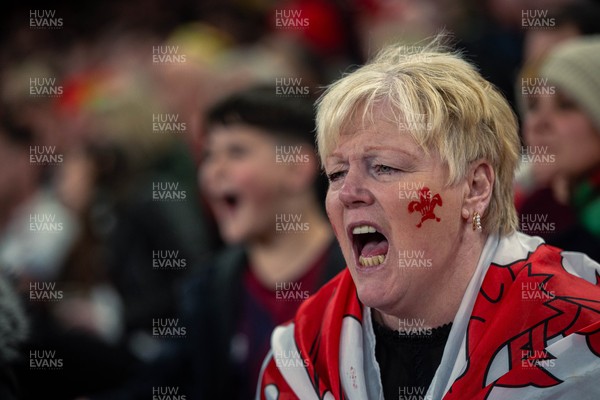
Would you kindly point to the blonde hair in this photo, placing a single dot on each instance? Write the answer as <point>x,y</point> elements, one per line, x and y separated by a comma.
<point>461,115</point>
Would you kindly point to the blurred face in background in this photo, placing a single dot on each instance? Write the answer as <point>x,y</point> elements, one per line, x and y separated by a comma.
<point>241,181</point>
<point>558,122</point>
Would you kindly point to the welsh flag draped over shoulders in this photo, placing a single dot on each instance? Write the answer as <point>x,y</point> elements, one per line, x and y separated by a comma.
<point>528,327</point>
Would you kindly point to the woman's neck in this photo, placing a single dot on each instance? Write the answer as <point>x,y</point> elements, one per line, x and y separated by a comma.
<point>438,303</point>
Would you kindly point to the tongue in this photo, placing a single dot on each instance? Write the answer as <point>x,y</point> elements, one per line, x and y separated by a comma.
<point>375,248</point>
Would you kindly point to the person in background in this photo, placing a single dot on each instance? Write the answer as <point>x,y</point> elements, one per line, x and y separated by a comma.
<point>259,176</point>
<point>69,319</point>
<point>567,122</point>
<point>540,189</point>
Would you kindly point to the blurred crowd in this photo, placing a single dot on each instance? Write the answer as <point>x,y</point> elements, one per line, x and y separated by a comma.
<point>105,116</point>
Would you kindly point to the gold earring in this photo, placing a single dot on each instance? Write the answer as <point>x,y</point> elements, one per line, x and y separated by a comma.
<point>477,222</point>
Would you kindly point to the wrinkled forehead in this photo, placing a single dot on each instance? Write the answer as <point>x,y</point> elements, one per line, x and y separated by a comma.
<point>375,119</point>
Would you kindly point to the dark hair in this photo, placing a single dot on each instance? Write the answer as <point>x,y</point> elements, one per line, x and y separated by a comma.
<point>584,15</point>
<point>286,118</point>
<point>261,107</point>
<point>13,131</point>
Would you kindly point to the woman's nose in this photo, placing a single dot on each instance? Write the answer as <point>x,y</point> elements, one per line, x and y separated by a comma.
<point>354,192</point>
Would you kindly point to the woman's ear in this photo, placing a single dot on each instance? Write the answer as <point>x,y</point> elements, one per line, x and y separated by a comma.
<point>479,186</point>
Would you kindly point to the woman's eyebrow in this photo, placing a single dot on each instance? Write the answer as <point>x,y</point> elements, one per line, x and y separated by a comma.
<point>333,160</point>
<point>392,148</point>
<point>337,157</point>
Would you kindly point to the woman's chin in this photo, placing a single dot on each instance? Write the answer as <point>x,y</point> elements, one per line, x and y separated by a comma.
<point>372,294</point>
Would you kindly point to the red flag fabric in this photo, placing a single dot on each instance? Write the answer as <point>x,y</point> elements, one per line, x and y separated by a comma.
<point>528,327</point>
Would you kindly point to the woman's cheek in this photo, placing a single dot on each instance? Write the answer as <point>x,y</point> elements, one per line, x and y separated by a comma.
<point>421,204</point>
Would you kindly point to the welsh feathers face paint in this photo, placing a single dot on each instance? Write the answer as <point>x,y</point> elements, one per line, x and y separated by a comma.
<point>425,205</point>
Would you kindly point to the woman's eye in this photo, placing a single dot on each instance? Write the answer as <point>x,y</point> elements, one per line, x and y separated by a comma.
<point>384,169</point>
<point>334,176</point>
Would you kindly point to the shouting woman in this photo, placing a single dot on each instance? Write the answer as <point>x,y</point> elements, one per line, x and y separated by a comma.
<point>442,297</point>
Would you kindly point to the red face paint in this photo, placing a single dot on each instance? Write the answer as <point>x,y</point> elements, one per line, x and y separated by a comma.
<point>425,205</point>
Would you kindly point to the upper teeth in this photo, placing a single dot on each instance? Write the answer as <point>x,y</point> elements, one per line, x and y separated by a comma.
<point>363,229</point>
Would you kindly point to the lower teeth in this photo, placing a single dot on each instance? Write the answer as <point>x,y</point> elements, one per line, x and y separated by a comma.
<point>371,261</point>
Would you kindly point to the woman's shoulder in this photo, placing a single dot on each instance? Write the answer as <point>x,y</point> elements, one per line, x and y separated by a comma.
<point>336,290</point>
<point>327,308</point>
<point>523,253</point>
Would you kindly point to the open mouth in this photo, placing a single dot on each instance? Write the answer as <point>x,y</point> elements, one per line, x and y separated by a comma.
<point>231,201</point>
<point>370,245</point>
